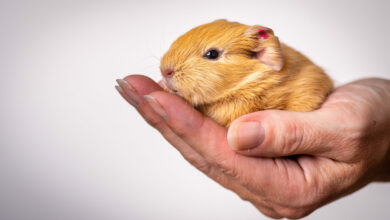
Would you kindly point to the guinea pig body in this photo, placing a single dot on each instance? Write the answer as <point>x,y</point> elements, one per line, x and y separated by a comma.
<point>227,69</point>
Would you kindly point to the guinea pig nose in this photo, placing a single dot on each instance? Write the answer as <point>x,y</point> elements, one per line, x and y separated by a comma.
<point>167,72</point>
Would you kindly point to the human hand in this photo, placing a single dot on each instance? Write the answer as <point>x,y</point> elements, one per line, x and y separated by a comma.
<point>287,164</point>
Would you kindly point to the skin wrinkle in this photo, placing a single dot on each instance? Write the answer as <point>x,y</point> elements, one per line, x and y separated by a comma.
<point>296,190</point>
<point>297,139</point>
<point>310,179</point>
<point>303,172</point>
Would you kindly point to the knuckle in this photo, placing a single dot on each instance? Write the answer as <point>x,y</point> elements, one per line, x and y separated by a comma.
<point>154,121</point>
<point>268,212</point>
<point>288,137</point>
<point>358,132</point>
<point>355,142</point>
<point>245,196</point>
<point>201,165</point>
<point>227,170</point>
<point>361,126</point>
<point>227,166</point>
<point>298,203</point>
<point>293,213</point>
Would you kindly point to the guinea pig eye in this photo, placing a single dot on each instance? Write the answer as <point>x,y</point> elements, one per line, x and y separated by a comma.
<point>212,54</point>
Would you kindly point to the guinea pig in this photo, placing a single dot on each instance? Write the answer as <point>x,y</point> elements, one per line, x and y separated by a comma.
<point>227,69</point>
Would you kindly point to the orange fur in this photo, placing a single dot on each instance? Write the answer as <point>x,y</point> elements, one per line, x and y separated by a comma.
<point>252,74</point>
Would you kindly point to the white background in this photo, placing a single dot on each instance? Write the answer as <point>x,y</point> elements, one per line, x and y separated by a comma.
<point>71,148</point>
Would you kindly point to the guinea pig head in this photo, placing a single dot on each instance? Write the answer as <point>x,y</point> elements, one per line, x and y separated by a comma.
<point>207,62</point>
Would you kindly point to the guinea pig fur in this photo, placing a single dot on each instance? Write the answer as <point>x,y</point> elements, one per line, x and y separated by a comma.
<point>227,69</point>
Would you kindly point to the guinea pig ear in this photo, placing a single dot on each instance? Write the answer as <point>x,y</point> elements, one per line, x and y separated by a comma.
<point>268,51</point>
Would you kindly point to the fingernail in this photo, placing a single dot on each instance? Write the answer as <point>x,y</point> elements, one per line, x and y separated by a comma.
<point>156,106</point>
<point>128,93</point>
<point>126,97</point>
<point>246,135</point>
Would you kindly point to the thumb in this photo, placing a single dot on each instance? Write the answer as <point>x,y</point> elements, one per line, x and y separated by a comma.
<point>275,133</point>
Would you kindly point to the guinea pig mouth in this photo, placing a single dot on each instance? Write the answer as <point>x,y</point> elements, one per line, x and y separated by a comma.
<point>167,83</point>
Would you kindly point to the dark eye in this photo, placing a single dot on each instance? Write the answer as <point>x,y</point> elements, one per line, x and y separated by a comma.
<point>212,54</point>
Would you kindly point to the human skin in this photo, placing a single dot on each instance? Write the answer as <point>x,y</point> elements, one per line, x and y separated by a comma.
<point>287,164</point>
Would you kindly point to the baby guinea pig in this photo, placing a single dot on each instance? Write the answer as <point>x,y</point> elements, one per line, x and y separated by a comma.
<point>227,69</point>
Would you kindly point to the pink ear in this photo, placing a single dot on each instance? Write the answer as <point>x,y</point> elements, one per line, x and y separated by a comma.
<point>269,51</point>
<point>263,33</point>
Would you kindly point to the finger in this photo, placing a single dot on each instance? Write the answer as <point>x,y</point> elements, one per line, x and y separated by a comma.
<point>203,134</point>
<point>132,88</point>
<point>142,84</point>
<point>276,133</point>
<point>133,92</point>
